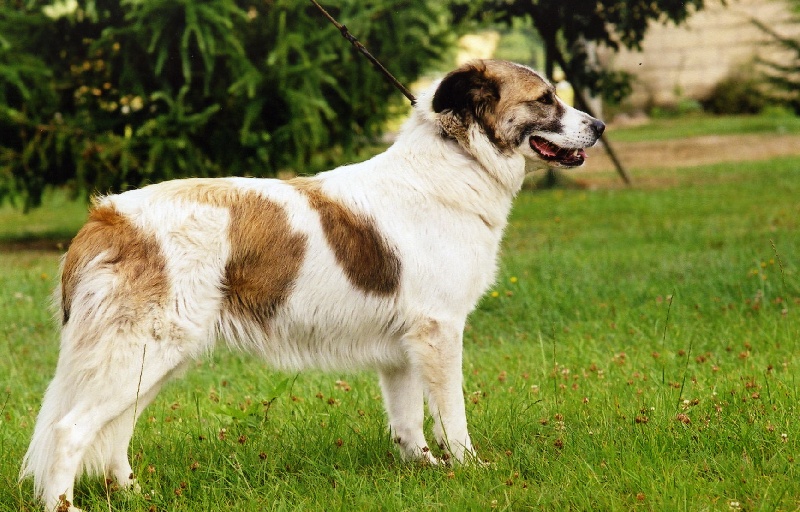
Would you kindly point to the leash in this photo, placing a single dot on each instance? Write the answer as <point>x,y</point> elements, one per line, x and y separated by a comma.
<point>361,48</point>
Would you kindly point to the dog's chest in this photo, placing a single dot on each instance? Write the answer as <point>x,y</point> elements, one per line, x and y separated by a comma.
<point>451,260</point>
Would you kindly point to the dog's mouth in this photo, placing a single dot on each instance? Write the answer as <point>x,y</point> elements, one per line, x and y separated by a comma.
<point>552,153</point>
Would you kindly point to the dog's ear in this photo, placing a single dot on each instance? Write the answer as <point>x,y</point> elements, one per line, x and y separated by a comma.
<point>467,92</point>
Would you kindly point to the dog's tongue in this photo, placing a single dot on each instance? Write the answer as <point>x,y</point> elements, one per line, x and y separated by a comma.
<point>550,151</point>
<point>544,147</point>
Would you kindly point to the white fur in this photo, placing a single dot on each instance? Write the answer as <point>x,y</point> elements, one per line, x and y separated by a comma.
<point>442,207</point>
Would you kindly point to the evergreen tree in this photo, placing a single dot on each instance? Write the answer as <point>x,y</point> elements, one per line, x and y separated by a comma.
<point>568,27</point>
<point>784,75</point>
<point>105,95</point>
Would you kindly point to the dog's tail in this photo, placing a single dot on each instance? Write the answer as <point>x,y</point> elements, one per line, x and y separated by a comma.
<point>41,457</point>
<point>38,459</point>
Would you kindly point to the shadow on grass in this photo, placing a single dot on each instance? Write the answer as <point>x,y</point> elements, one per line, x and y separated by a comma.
<point>49,227</point>
<point>49,242</point>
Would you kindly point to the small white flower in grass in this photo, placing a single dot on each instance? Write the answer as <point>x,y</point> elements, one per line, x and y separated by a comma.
<point>784,438</point>
<point>735,505</point>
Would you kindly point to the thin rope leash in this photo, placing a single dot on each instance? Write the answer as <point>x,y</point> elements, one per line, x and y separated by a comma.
<point>361,48</point>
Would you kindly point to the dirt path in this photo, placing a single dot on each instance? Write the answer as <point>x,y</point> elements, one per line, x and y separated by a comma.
<point>695,151</point>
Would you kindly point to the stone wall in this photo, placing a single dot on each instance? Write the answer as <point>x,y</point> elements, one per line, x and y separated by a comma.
<point>688,60</point>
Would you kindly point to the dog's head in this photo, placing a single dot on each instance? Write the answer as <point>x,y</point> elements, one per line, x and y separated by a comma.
<point>517,110</point>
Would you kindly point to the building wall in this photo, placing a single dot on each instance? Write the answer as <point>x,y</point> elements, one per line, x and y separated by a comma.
<point>688,60</point>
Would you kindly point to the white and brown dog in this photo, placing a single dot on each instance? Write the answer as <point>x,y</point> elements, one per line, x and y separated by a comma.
<point>372,265</point>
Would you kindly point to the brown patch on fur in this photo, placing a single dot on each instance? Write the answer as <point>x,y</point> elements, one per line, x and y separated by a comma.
<point>368,261</point>
<point>265,256</point>
<point>108,239</point>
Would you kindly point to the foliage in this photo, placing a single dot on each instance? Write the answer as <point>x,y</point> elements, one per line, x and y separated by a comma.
<point>520,42</point>
<point>784,75</point>
<point>739,93</point>
<point>108,94</point>
<point>569,28</point>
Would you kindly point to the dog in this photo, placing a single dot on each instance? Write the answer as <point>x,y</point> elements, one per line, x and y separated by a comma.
<point>370,265</point>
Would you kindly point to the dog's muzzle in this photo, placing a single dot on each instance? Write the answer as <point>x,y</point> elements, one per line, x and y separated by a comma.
<point>565,157</point>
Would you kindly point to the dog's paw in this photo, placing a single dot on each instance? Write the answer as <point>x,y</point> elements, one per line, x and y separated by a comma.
<point>422,456</point>
<point>127,483</point>
<point>63,505</point>
<point>133,486</point>
<point>469,459</point>
<point>428,459</point>
<point>459,453</point>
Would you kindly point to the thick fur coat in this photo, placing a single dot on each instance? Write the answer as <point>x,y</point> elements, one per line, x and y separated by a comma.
<point>371,265</point>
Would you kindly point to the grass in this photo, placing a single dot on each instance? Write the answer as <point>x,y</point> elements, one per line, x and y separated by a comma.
<point>638,352</point>
<point>704,124</point>
<point>48,227</point>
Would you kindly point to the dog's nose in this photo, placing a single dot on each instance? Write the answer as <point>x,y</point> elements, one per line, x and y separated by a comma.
<point>598,127</point>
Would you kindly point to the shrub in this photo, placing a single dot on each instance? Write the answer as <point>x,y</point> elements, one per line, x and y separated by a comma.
<point>740,93</point>
<point>108,94</point>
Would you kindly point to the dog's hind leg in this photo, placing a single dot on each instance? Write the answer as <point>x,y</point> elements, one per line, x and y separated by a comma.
<point>403,396</point>
<point>437,349</point>
<point>94,397</point>
<point>116,437</point>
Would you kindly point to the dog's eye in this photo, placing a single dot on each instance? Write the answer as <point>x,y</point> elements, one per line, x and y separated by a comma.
<point>546,98</point>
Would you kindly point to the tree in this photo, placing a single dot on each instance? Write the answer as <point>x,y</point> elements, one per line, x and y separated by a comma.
<point>784,76</point>
<point>569,27</point>
<point>104,95</point>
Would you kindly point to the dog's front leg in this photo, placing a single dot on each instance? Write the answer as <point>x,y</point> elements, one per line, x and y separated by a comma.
<point>402,394</point>
<point>437,348</point>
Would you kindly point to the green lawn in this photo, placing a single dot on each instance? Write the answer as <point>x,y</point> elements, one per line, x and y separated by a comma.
<point>639,352</point>
<point>56,222</point>
<point>703,124</point>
